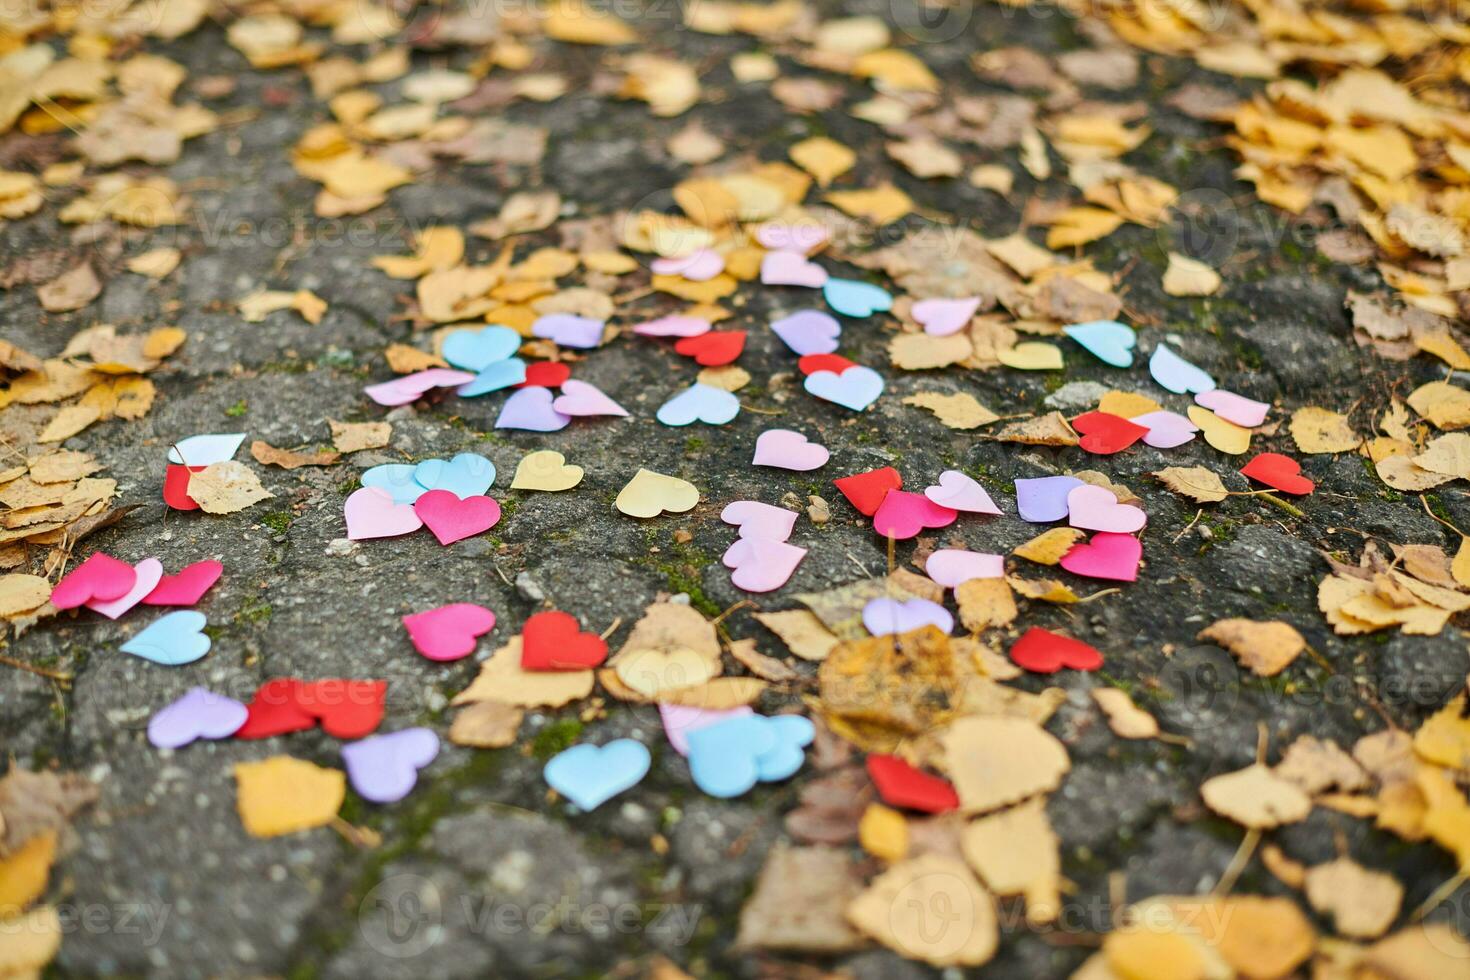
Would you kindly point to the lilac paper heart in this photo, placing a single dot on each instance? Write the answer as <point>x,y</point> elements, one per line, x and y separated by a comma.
<point>942,317</point>
<point>954,566</point>
<point>1235,408</point>
<point>569,330</point>
<point>855,388</point>
<point>1044,499</point>
<point>401,391</point>
<point>759,520</point>
<point>578,398</point>
<point>958,492</point>
<point>673,326</point>
<point>808,332</point>
<point>1165,429</point>
<point>701,265</point>
<point>531,409</point>
<point>781,268</point>
<point>761,564</point>
<point>699,403</point>
<point>884,616</point>
<point>788,450</point>
<point>384,768</point>
<point>1177,374</point>
<point>792,237</point>
<point>200,713</point>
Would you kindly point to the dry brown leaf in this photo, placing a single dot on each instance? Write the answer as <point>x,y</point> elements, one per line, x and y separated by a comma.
<point>351,437</point>
<point>1266,648</point>
<point>800,902</point>
<point>985,603</point>
<point>1016,853</point>
<point>502,679</point>
<point>261,303</point>
<point>1317,430</point>
<point>22,593</point>
<point>268,455</point>
<point>1256,797</point>
<point>523,211</point>
<point>71,290</point>
<point>226,487</point>
<point>994,762</point>
<point>1195,482</point>
<point>956,411</point>
<point>896,910</point>
<point>925,352</point>
<point>486,725</point>
<point>1362,903</point>
<point>1043,430</point>
<point>801,631</point>
<point>1126,719</point>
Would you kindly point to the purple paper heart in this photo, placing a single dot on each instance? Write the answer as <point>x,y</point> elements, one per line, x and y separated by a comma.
<point>884,616</point>
<point>569,330</point>
<point>809,332</point>
<point>673,325</point>
<point>1044,500</point>
<point>1165,429</point>
<point>200,713</point>
<point>384,768</point>
<point>531,409</point>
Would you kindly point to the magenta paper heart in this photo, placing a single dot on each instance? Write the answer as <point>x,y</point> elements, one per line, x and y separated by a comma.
<point>384,768</point>
<point>99,577</point>
<point>578,398</point>
<point>762,564</point>
<point>448,632</point>
<point>453,518</point>
<point>788,450</point>
<point>701,265</point>
<point>674,325</point>
<point>147,574</point>
<point>188,586</point>
<point>1235,408</point>
<point>758,520</point>
<point>532,408</point>
<point>792,237</point>
<point>783,268</point>
<point>1166,429</point>
<point>884,616</point>
<point>1114,557</point>
<point>401,391</point>
<point>903,515</point>
<point>371,513</point>
<point>953,566</point>
<point>958,492</point>
<point>680,720</point>
<point>200,713</point>
<point>1097,509</point>
<point>808,332</point>
<point>569,330</point>
<point>942,317</point>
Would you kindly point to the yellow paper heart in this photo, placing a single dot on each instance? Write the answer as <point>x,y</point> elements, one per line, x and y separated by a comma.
<point>282,795</point>
<point>1032,356</point>
<point>650,672</point>
<point>650,494</point>
<point>1224,436</point>
<point>546,470</point>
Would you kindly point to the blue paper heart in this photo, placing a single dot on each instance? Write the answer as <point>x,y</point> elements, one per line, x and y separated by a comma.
<point>1108,340</point>
<point>501,374</point>
<point>175,639</point>
<point>793,734</point>
<point>590,775</point>
<point>397,479</point>
<point>475,350</point>
<point>729,757</point>
<point>1177,374</point>
<point>856,388</point>
<point>466,475</point>
<point>700,403</point>
<point>853,298</point>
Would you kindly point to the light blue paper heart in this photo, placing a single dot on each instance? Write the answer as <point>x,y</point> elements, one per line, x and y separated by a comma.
<point>475,350</point>
<point>729,757</point>
<point>855,388</point>
<point>850,297</point>
<point>700,403</point>
<point>501,374</point>
<point>590,775</point>
<point>1177,374</point>
<point>175,639</point>
<point>793,734</point>
<point>1108,340</point>
<point>466,475</point>
<point>397,479</point>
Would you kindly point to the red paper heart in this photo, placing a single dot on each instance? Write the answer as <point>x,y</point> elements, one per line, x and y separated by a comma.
<point>901,785</point>
<point>1280,473</point>
<point>1044,652</point>
<point>187,587</point>
<point>274,711</point>
<point>713,349</point>
<point>866,491</point>
<point>452,519</point>
<point>176,486</point>
<point>347,709</point>
<point>554,640</point>
<point>101,577</point>
<point>812,363</point>
<point>545,374</point>
<point>1104,433</point>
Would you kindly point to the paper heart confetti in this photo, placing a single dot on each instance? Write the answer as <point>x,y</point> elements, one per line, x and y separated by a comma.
<point>1044,499</point>
<point>176,486</point>
<point>942,317</point>
<point>372,513</point>
<point>449,632</point>
<point>699,403</point>
<point>800,237</point>
<point>650,494</point>
<point>783,268</point>
<point>531,409</point>
<point>1108,340</point>
<point>954,566</point>
<point>713,349</point>
<point>1165,429</point>
<point>346,709</point>
<point>884,616</point>
<point>101,578</point>
<point>495,377</point>
<point>1243,411</point>
<point>674,325</point>
<point>545,469</point>
<point>1097,509</point>
<point>554,640</point>
<point>1110,556</point>
<point>274,711</point>
<point>901,785</point>
<point>679,720</point>
<point>578,398</point>
<point>466,475</point>
<point>200,713</point>
<point>282,795</point>
<point>810,364</point>
<point>855,388</point>
<point>1105,434</point>
<point>172,640</point>
<point>865,491</point>
<point>397,480</point>
<point>808,332</point>
<point>1177,374</point>
<point>569,330</point>
<point>187,587</point>
<point>759,520</point>
<point>452,518</point>
<point>476,350</point>
<point>957,491</point>
<point>401,391</point>
<point>147,574</point>
<point>1278,472</point>
<point>1225,436</point>
<point>902,515</point>
<point>1044,652</point>
<point>729,757</point>
<point>546,374</point>
<point>590,775</point>
<point>762,564</point>
<point>385,768</point>
<point>199,451</point>
<point>701,265</point>
<point>788,450</point>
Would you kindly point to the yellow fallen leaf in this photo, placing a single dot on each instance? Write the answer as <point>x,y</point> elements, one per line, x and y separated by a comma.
<point>1016,853</point>
<point>1402,473</point>
<point>896,69</point>
<point>21,594</point>
<point>1256,797</point>
<point>1126,719</point>
<point>502,679</point>
<point>823,158</point>
<point>1361,903</point>
<point>925,352</point>
<point>1032,356</point>
<point>283,795</point>
<point>956,411</point>
<point>226,487</point>
<point>994,762</point>
<point>24,874</point>
<point>260,304</point>
<point>28,942</point>
<point>351,437</point>
<point>801,631</point>
<point>1050,429</point>
<point>577,23</point>
<point>1448,454</point>
<point>898,908</point>
<point>1266,648</point>
<point>155,263</point>
<point>1190,277</point>
<point>1195,482</point>
<point>883,833</point>
<point>1317,430</point>
<point>1078,226</point>
<point>881,205</point>
<point>1051,546</point>
<point>1443,404</point>
<point>439,247</point>
<point>1127,404</point>
<point>985,603</point>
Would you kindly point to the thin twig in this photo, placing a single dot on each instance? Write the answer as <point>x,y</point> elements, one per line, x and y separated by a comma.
<point>54,675</point>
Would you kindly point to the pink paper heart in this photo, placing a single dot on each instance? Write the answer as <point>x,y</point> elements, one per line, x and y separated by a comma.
<point>99,577</point>
<point>188,586</point>
<point>792,237</point>
<point>885,616</point>
<point>680,720</point>
<point>401,391</point>
<point>953,566</point>
<point>783,268</point>
<point>147,572</point>
<point>1114,557</point>
<point>371,513</point>
<point>762,564</point>
<point>758,520</point>
<point>1235,408</point>
<point>1097,509</point>
<point>453,518</point>
<point>788,450</point>
<point>957,491</point>
<point>942,317</point>
<point>700,265</point>
<point>449,632</point>
<point>581,398</point>
<point>903,515</point>
<point>1165,429</point>
<point>673,326</point>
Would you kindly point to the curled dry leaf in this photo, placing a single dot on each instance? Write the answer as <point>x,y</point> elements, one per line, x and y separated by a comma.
<point>1051,546</point>
<point>268,455</point>
<point>801,631</point>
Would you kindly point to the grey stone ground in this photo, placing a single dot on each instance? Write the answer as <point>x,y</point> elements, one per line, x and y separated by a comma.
<point>478,830</point>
